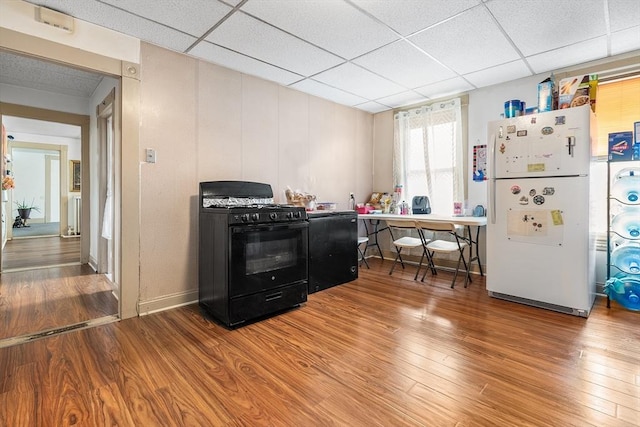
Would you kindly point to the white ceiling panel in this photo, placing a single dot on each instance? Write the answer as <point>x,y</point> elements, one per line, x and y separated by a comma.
<point>625,40</point>
<point>327,92</point>
<point>357,80</point>
<point>409,16</point>
<point>221,56</point>
<point>40,127</point>
<point>445,88</point>
<point>469,42</point>
<point>501,73</point>
<point>364,53</point>
<point>251,37</point>
<point>110,17</point>
<point>30,72</point>
<point>193,17</point>
<point>623,14</point>
<point>571,55</point>
<point>372,107</point>
<point>405,98</point>
<point>331,24</point>
<point>557,23</point>
<point>404,64</point>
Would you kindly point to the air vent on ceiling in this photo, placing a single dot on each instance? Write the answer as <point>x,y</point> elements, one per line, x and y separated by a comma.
<point>55,19</point>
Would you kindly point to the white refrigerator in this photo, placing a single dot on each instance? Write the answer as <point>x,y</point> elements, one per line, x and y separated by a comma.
<point>540,242</point>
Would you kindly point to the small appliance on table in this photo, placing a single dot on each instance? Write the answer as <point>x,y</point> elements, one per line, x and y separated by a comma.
<point>253,254</point>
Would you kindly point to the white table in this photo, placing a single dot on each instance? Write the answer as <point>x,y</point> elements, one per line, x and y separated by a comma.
<point>466,221</point>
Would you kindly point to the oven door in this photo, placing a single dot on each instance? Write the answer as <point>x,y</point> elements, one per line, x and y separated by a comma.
<point>269,256</point>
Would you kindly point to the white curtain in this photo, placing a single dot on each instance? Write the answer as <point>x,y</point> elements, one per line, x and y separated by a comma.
<point>428,156</point>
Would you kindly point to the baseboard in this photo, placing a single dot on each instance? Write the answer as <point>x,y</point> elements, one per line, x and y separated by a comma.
<point>167,302</point>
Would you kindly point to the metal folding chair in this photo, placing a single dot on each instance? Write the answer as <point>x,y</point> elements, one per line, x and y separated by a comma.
<point>362,240</point>
<point>440,246</point>
<point>406,242</point>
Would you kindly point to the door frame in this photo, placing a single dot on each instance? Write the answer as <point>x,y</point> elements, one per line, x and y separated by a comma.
<point>129,159</point>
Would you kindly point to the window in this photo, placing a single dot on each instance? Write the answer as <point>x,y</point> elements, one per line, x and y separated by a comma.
<point>617,108</point>
<point>427,154</point>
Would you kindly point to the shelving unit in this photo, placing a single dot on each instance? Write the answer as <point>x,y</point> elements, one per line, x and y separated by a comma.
<point>623,243</point>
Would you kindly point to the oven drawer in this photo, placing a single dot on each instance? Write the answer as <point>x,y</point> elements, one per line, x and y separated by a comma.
<point>259,304</point>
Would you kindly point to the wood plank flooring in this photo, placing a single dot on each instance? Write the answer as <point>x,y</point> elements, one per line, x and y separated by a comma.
<point>379,351</point>
<point>40,252</point>
<point>42,299</point>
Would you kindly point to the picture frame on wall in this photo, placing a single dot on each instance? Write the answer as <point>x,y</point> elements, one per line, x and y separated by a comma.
<point>75,175</point>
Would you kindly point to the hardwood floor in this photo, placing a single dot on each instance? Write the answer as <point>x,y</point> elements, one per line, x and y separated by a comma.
<point>38,300</point>
<point>379,351</point>
<point>40,252</point>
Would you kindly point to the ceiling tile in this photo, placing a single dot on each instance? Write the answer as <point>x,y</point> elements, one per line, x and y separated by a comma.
<point>463,43</point>
<point>244,64</point>
<point>623,14</point>
<point>405,98</point>
<point>327,92</point>
<point>452,86</point>
<point>110,17</point>
<point>331,24</point>
<point>19,70</point>
<point>372,107</point>
<point>501,73</point>
<point>570,55</point>
<point>625,40</point>
<point>543,25</point>
<point>194,17</point>
<point>359,81</point>
<point>404,64</point>
<point>410,16</point>
<point>249,36</point>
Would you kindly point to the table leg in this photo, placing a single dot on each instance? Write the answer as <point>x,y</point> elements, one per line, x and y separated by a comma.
<point>473,243</point>
<point>372,242</point>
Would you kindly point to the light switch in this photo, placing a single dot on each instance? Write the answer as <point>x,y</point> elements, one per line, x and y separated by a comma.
<point>151,155</point>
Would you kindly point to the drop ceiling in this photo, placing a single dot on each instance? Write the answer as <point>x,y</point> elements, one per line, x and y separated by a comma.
<point>375,54</point>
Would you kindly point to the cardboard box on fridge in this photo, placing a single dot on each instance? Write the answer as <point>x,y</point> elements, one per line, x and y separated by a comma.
<point>547,95</point>
<point>577,91</point>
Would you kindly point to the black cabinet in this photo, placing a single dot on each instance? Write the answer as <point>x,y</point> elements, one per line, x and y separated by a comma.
<point>333,248</point>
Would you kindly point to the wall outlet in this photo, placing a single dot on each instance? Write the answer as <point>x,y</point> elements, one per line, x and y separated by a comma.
<point>151,155</point>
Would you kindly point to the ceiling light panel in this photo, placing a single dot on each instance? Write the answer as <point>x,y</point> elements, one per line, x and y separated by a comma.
<point>124,22</point>
<point>469,42</point>
<point>249,36</point>
<point>571,55</point>
<point>544,25</point>
<point>410,16</point>
<point>404,64</point>
<point>331,24</point>
<point>327,92</point>
<point>359,81</point>
<point>221,56</point>
<point>194,17</point>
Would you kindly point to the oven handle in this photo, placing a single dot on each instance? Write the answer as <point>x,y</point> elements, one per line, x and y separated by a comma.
<point>250,228</point>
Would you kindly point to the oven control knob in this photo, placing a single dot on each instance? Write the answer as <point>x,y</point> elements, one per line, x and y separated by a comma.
<point>273,215</point>
<point>245,217</point>
<point>255,216</point>
<point>290,215</point>
<point>298,214</point>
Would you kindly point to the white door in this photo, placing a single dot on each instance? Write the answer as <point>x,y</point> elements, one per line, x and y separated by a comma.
<point>555,143</point>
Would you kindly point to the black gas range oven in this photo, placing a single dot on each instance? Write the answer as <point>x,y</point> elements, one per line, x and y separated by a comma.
<point>253,254</point>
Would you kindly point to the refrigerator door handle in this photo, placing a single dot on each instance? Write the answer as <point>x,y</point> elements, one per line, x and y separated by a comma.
<point>492,179</point>
<point>571,142</point>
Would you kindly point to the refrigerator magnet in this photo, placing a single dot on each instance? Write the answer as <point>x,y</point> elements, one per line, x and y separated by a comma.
<point>556,217</point>
<point>524,200</point>
<point>538,199</point>
<point>511,129</point>
<point>548,191</point>
<point>547,130</point>
<point>515,189</point>
<point>560,120</point>
<point>532,192</point>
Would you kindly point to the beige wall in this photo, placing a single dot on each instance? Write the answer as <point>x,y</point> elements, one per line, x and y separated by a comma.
<point>211,123</point>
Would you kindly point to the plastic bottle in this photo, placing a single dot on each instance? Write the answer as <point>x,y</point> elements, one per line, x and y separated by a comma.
<point>627,223</point>
<point>626,186</point>
<point>352,202</point>
<point>627,258</point>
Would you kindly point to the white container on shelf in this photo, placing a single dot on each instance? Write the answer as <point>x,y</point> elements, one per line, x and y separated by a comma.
<point>627,258</point>
<point>626,186</point>
<point>627,223</point>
